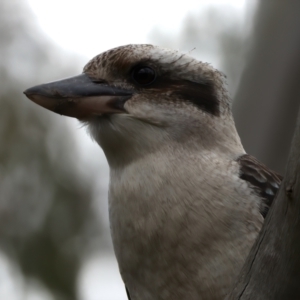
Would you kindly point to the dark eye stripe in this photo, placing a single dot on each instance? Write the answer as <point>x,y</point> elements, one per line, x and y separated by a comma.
<point>201,95</point>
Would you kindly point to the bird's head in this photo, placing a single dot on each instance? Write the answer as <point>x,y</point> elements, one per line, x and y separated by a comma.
<point>138,98</point>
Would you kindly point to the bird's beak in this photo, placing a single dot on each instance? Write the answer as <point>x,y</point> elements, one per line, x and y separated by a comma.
<point>79,97</point>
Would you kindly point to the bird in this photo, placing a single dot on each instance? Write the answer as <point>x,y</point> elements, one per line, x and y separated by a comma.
<point>186,202</point>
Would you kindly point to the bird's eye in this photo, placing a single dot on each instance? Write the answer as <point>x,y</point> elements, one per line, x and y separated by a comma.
<point>143,75</point>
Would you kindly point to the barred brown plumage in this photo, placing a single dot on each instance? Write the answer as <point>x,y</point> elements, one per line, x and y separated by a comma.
<point>264,181</point>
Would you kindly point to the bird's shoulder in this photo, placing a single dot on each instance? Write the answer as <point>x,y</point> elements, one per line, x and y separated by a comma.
<point>263,181</point>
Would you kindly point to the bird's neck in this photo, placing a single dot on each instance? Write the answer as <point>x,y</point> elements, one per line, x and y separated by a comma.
<point>171,203</point>
<point>126,140</point>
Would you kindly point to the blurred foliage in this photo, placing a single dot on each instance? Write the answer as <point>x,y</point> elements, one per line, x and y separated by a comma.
<point>46,217</point>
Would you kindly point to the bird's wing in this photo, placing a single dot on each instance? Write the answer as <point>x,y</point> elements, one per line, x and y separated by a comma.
<point>128,295</point>
<point>264,181</point>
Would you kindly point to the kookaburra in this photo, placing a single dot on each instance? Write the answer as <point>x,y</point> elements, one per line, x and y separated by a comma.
<point>185,201</point>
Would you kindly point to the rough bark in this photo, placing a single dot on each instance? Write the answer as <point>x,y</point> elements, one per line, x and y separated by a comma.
<point>272,269</point>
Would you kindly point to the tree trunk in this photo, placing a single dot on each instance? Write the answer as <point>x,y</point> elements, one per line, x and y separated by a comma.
<point>272,269</point>
<point>268,98</point>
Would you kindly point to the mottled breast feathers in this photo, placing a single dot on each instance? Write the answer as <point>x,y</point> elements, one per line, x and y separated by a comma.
<point>264,181</point>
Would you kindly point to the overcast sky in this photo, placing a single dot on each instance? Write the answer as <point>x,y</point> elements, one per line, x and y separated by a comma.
<point>91,26</point>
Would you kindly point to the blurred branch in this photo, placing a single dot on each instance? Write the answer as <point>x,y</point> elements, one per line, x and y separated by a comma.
<point>272,269</point>
<point>268,98</point>
<point>265,109</point>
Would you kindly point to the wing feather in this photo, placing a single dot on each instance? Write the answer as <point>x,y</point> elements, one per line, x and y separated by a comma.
<point>265,182</point>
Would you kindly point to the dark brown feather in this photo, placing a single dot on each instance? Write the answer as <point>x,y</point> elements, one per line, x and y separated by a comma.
<point>264,181</point>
